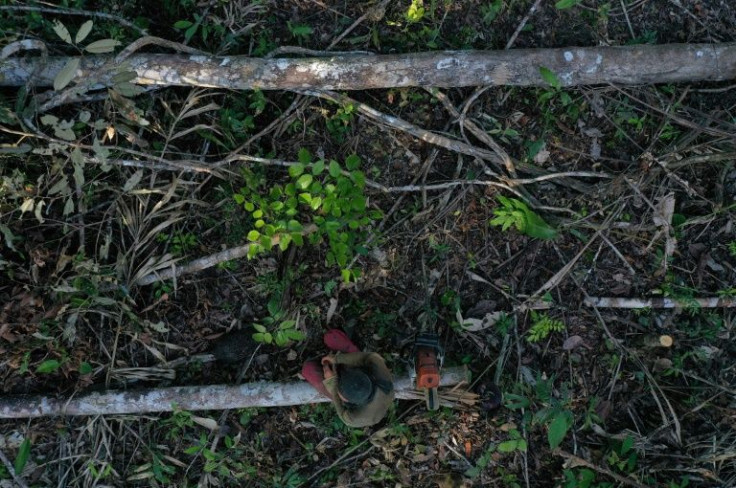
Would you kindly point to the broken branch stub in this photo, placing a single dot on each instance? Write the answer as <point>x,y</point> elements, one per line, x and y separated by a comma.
<point>212,397</point>
<point>667,63</point>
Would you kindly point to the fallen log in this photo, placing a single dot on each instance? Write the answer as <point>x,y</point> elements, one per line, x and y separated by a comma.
<point>667,63</point>
<point>660,302</point>
<point>211,397</point>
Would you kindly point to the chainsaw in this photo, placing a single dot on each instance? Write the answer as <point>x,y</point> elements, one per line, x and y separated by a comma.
<point>428,357</point>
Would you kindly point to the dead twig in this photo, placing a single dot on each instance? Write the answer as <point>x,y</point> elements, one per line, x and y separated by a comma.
<point>210,261</point>
<point>521,25</point>
<point>79,12</point>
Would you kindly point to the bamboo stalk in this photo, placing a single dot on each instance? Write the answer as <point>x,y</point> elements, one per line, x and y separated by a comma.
<point>212,397</point>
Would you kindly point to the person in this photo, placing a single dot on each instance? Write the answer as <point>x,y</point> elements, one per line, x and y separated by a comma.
<point>358,383</point>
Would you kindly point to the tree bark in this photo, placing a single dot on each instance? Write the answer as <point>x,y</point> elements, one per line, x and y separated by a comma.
<point>670,63</point>
<point>212,397</point>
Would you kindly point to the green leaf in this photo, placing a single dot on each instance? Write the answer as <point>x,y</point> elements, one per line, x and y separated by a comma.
<point>334,169</point>
<point>83,31</point>
<point>508,446</point>
<point>549,77</point>
<point>239,199</point>
<point>66,74</point>
<point>8,235</point>
<point>265,242</point>
<point>294,226</point>
<point>183,24</point>
<point>85,368</point>
<point>62,32</point>
<point>284,242</point>
<point>277,206</point>
<point>48,366</point>
<point>306,198</point>
<point>287,324</point>
<point>627,444</point>
<point>102,46</point>
<point>537,227</point>
<point>352,162</point>
<point>318,167</point>
<point>259,327</point>
<point>253,235</point>
<point>24,453</point>
<point>263,337</point>
<point>565,4</point>
<point>281,339</point>
<point>304,156</point>
<point>415,11</point>
<point>345,273</point>
<point>295,335</point>
<point>557,430</point>
<point>296,170</point>
<point>304,181</point>
<point>358,178</point>
<point>249,206</point>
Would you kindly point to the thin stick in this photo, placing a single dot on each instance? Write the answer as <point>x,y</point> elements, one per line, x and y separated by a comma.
<point>521,25</point>
<point>209,397</point>
<point>68,11</point>
<point>208,261</point>
<point>659,302</point>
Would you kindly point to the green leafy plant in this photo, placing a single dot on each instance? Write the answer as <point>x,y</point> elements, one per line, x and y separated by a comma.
<point>416,11</point>
<point>542,326</point>
<point>338,125</point>
<point>300,32</point>
<point>554,101</point>
<point>489,11</point>
<point>483,461</point>
<point>565,4</point>
<point>276,330</point>
<point>324,196</point>
<point>732,249</point>
<point>516,443</point>
<point>558,424</point>
<point>24,452</point>
<point>516,213</point>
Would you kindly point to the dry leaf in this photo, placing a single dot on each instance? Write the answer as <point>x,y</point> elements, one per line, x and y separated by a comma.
<point>209,424</point>
<point>572,342</point>
<point>83,31</point>
<point>66,74</point>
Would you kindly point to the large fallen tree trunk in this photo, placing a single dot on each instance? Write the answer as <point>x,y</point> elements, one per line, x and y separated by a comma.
<point>572,66</point>
<point>212,397</point>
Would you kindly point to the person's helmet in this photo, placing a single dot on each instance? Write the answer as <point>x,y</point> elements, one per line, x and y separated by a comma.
<point>355,386</point>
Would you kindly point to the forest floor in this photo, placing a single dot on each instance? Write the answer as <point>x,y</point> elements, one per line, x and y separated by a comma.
<point>505,272</point>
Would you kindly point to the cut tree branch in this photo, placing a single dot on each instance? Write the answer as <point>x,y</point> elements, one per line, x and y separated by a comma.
<point>665,63</point>
<point>212,397</point>
<point>660,302</point>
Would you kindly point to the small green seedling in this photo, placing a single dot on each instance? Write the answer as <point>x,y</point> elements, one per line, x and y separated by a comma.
<point>517,213</point>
